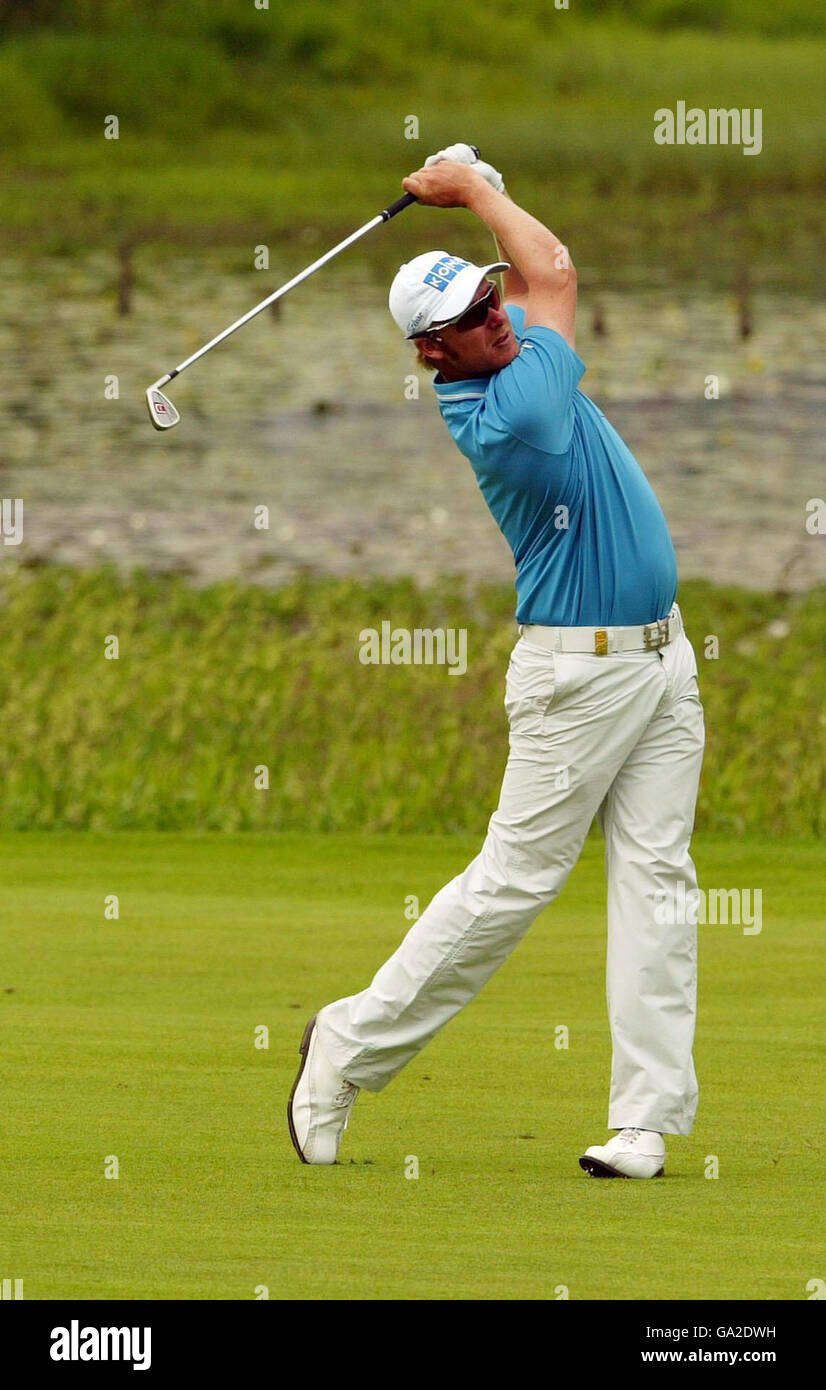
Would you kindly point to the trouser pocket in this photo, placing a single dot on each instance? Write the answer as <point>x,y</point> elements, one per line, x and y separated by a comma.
<point>531,686</point>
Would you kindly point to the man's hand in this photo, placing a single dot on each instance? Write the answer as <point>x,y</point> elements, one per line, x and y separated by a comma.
<point>468,154</point>
<point>445,185</point>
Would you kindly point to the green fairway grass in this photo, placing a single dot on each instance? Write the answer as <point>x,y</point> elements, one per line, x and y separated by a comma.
<point>135,1038</point>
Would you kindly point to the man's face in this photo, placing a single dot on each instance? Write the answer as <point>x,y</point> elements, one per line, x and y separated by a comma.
<point>477,344</point>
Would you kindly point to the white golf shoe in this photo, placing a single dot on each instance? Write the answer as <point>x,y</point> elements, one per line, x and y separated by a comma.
<point>320,1103</point>
<point>633,1153</point>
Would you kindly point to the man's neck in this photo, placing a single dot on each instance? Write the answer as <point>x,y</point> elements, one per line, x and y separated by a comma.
<point>448,373</point>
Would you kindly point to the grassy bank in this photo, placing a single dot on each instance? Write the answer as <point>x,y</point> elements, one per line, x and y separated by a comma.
<point>211,684</point>
<point>244,125</point>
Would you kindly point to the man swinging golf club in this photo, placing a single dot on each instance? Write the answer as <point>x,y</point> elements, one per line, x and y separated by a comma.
<point>601,696</point>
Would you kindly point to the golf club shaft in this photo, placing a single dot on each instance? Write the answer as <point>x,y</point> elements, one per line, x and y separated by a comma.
<point>380,217</point>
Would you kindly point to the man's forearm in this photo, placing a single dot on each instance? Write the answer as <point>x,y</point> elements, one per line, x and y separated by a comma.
<point>514,284</point>
<point>536,253</point>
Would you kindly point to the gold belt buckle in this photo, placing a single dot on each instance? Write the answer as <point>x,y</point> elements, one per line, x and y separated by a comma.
<point>600,642</point>
<point>655,635</point>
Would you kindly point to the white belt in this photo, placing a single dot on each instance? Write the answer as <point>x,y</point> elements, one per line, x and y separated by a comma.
<point>600,641</point>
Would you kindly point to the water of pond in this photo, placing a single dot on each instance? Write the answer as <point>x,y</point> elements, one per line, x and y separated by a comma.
<point>307,413</point>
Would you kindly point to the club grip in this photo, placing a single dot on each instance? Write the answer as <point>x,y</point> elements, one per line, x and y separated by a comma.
<point>399,205</point>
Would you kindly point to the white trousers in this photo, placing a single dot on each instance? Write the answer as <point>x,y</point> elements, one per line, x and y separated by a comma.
<point>620,737</point>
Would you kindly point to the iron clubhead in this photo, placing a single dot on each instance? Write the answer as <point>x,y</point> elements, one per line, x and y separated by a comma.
<point>162,412</point>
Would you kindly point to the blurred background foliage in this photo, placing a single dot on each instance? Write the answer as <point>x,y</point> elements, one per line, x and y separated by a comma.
<point>211,683</point>
<point>238,125</point>
<point>232,117</point>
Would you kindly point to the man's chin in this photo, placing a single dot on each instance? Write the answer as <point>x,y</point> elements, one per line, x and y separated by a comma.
<point>495,359</point>
<point>505,352</point>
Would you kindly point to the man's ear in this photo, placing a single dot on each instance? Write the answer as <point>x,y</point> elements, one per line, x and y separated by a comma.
<point>429,349</point>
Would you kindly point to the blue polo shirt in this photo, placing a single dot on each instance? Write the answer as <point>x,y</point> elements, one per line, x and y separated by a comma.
<point>589,539</point>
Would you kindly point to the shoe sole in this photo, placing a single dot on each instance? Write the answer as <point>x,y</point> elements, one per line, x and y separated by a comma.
<point>303,1049</point>
<point>596,1169</point>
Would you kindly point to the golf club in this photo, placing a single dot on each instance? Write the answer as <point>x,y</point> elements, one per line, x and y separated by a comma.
<point>161,410</point>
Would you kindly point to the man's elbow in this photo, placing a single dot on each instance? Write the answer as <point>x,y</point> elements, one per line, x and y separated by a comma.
<point>561,275</point>
<point>563,263</point>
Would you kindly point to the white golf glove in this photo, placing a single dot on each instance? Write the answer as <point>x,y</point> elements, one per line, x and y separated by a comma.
<point>467,154</point>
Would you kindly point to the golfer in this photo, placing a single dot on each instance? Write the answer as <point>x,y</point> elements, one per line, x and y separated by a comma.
<point>601,697</point>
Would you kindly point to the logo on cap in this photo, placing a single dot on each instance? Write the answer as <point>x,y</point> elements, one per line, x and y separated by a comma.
<point>440,275</point>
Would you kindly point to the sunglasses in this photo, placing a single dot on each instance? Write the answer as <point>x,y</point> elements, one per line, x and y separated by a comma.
<point>473,317</point>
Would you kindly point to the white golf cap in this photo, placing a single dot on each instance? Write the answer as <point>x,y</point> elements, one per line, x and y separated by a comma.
<point>434,288</point>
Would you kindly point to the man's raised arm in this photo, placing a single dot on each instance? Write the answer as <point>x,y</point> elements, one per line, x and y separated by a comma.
<point>539,256</point>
